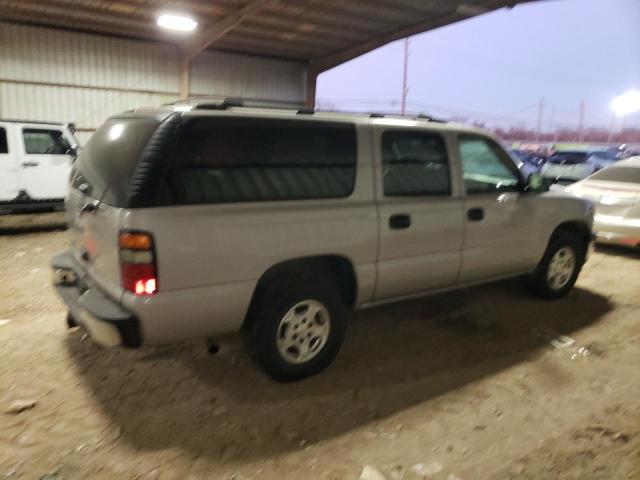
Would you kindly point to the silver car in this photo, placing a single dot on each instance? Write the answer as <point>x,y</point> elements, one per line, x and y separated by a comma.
<point>207,219</point>
<point>615,193</point>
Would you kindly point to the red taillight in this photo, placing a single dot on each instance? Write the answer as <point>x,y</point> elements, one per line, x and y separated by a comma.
<point>138,263</point>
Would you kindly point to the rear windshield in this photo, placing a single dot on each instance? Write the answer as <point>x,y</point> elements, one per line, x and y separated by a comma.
<point>105,165</point>
<point>618,174</point>
<point>247,160</point>
<point>568,158</point>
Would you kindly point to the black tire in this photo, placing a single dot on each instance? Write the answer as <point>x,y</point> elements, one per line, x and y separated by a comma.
<point>538,281</point>
<point>272,302</point>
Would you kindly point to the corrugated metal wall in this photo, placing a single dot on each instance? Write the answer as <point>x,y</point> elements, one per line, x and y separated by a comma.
<point>249,77</point>
<point>48,74</point>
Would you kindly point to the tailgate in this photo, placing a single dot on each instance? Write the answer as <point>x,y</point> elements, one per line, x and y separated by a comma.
<point>94,240</point>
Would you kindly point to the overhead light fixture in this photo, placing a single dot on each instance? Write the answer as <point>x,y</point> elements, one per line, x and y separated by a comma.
<point>177,23</point>
<point>626,103</point>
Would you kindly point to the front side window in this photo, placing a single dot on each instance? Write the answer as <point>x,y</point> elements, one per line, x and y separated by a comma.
<point>247,160</point>
<point>486,168</point>
<point>38,141</point>
<point>4,147</point>
<point>414,163</point>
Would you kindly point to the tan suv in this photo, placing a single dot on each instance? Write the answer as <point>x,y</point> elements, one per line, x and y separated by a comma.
<point>199,220</point>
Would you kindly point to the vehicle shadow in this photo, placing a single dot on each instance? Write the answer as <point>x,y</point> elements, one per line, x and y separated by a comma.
<point>394,357</point>
<point>619,251</point>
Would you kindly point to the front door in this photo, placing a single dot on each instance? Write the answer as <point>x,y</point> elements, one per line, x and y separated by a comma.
<point>8,164</point>
<point>499,236</point>
<point>44,162</point>
<point>419,217</point>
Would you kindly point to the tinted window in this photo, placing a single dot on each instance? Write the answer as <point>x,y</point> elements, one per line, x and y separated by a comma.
<point>4,148</point>
<point>568,158</point>
<point>245,160</point>
<point>414,163</point>
<point>486,168</point>
<point>618,174</point>
<point>39,141</point>
<point>105,166</point>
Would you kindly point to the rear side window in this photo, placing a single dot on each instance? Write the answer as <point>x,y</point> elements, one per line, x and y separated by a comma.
<point>226,160</point>
<point>414,163</point>
<point>106,164</point>
<point>4,147</point>
<point>40,141</point>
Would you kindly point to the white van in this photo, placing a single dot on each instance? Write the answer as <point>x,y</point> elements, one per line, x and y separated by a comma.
<point>35,162</point>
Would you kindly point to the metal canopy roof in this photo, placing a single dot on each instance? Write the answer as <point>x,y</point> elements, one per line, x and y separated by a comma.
<point>323,33</point>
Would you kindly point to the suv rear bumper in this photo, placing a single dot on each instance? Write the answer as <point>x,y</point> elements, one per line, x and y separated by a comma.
<point>106,321</point>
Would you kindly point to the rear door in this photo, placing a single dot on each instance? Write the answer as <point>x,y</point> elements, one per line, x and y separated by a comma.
<point>500,236</point>
<point>45,161</point>
<point>8,164</point>
<point>419,214</point>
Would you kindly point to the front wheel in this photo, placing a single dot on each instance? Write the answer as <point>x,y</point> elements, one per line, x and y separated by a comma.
<point>297,327</point>
<point>558,270</point>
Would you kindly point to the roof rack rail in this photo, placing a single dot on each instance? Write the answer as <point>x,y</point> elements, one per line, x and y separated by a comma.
<point>429,118</point>
<point>377,115</point>
<point>217,103</point>
<point>226,103</point>
<point>306,111</point>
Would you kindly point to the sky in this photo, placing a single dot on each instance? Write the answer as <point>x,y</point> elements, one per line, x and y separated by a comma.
<point>497,67</point>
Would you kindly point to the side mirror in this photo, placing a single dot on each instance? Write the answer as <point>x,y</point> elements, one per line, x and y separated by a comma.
<point>72,152</point>
<point>538,183</point>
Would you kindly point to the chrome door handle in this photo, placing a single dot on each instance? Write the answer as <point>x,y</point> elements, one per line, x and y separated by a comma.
<point>399,221</point>
<point>30,164</point>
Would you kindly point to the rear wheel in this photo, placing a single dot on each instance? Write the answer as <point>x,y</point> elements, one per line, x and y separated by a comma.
<point>558,270</point>
<point>296,326</point>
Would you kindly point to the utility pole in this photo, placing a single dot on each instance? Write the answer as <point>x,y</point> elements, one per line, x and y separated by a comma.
<point>552,125</point>
<point>581,122</point>
<point>540,113</point>
<point>405,87</point>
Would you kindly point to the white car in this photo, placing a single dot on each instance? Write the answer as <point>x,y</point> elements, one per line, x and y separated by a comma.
<point>566,167</point>
<point>35,163</point>
<point>195,222</point>
<point>615,193</point>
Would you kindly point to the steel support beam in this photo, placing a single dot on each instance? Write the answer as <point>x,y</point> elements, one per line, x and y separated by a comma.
<point>216,31</point>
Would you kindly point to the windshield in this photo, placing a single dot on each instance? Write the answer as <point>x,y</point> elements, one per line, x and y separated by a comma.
<point>618,174</point>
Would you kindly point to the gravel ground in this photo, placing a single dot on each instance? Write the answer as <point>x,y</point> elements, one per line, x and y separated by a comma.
<point>459,386</point>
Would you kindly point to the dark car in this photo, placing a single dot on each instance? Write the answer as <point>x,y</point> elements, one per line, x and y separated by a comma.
<point>527,163</point>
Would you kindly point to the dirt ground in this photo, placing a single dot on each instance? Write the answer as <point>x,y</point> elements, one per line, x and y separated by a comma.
<point>461,386</point>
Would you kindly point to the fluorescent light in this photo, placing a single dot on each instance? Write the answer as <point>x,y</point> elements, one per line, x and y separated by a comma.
<point>178,23</point>
<point>626,103</point>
